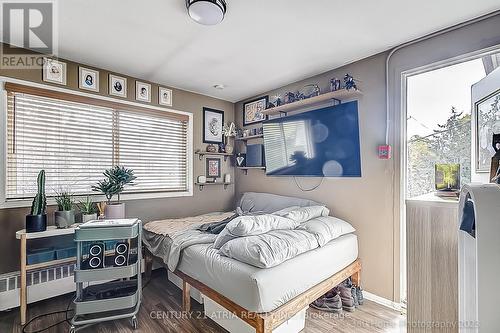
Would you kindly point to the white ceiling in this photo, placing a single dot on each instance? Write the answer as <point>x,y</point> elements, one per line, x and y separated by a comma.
<point>261,44</point>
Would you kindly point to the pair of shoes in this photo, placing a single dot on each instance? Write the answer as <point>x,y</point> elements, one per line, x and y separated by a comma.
<point>346,295</point>
<point>330,302</point>
<point>359,295</point>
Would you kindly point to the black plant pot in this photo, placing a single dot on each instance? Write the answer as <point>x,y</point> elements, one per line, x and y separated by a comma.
<point>36,223</point>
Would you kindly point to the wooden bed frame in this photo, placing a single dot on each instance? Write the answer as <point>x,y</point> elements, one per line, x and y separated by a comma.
<point>262,322</point>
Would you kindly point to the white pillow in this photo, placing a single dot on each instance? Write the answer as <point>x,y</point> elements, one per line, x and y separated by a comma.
<point>327,228</point>
<point>304,214</point>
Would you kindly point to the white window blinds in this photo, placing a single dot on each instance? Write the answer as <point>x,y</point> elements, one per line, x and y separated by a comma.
<point>75,142</point>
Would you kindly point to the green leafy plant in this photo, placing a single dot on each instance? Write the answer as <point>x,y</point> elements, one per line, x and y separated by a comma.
<point>64,201</point>
<point>39,205</point>
<point>87,206</point>
<point>116,179</point>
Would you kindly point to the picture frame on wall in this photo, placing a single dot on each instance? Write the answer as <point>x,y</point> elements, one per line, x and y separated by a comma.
<point>143,92</point>
<point>117,86</point>
<point>88,79</point>
<point>164,96</point>
<point>213,167</point>
<point>54,71</point>
<point>487,111</point>
<point>213,123</point>
<point>252,110</point>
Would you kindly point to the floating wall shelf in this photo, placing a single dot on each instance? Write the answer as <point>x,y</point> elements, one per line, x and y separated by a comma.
<point>250,137</point>
<point>338,95</point>
<point>245,169</point>
<point>203,153</point>
<point>201,185</point>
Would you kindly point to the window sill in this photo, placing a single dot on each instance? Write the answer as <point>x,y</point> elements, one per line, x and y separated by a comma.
<point>98,198</point>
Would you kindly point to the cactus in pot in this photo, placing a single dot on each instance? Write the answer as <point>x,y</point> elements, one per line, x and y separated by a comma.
<point>65,215</point>
<point>37,220</point>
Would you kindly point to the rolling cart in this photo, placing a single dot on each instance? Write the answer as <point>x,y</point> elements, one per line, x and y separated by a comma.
<point>107,288</point>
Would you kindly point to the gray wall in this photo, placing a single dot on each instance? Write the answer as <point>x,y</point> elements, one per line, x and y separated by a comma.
<point>210,199</point>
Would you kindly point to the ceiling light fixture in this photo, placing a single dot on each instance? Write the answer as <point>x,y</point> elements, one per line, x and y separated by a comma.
<point>206,12</point>
<point>219,86</point>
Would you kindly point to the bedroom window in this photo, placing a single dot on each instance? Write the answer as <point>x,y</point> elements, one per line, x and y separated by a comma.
<point>75,139</point>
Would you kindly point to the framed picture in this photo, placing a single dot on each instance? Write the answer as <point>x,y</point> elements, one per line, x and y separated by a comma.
<point>252,110</point>
<point>241,159</point>
<point>142,91</point>
<point>447,177</point>
<point>213,167</point>
<point>164,96</point>
<point>487,112</point>
<point>117,86</point>
<point>54,71</point>
<point>88,79</point>
<point>213,122</point>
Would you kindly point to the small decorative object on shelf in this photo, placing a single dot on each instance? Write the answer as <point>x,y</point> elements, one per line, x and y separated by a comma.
<point>335,84</point>
<point>65,215</point>
<point>37,220</point>
<point>87,208</point>
<point>275,101</point>
<point>241,160</point>
<point>289,98</point>
<point>222,147</point>
<point>211,148</point>
<point>260,131</point>
<point>309,91</point>
<point>349,82</point>
<point>116,179</point>
<point>229,131</point>
<point>202,179</point>
<point>246,133</point>
<point>447,179</point>
<point>227,178</point>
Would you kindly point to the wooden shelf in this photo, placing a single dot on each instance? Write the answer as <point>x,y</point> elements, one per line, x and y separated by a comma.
<point>250,137</point>
<point>51,231</point>
<point>203,153</point>
<point>338,95</point>
<point>245,169</point>
<point>201,185</point>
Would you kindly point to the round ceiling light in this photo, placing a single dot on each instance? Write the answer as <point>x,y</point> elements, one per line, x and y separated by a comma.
<point>206,12</point>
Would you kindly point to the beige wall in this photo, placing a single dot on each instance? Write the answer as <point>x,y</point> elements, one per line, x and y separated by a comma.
<point>365,202</point>
<point>210,199</point>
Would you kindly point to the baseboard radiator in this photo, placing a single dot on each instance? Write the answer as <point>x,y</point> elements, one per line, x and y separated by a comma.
<point>42,284</point>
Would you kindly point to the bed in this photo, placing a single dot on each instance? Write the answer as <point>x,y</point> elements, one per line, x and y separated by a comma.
<point>263,298</point>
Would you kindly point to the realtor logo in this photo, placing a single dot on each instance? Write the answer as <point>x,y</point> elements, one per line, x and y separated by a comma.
<point>28,30</point>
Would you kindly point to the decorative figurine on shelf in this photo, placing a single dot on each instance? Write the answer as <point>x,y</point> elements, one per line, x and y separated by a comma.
<point>229,131</point>
<point>222,147</point>
<point>349,82</point>
<point>275,101</point>
<point>335,84</point>
<point>211,148</point>
<point>289,97</point>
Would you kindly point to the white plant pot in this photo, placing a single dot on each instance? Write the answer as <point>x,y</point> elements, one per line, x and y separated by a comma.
<point>115,211</point>
<point>89,217</point>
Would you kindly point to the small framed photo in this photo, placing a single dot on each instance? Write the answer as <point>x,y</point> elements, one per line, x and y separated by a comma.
<point>142,91</point>
<point>54,71</point>
<point>164,96</point>
<point>252,110</point>
<point>487,111</point>
<point>213,168</point>
<point>117,86</point>
<point>88,79</point>
<point>213,123</point>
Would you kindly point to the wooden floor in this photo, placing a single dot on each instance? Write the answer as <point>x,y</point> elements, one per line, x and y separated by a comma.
<point>163,299</point>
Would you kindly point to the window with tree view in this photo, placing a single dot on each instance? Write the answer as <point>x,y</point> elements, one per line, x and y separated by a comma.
<point>439,123</point>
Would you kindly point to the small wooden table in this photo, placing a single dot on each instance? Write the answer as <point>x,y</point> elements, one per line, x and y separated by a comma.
<point>22,235</point>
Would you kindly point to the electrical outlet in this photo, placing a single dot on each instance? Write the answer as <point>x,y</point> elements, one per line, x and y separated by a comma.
<point>384,152</point>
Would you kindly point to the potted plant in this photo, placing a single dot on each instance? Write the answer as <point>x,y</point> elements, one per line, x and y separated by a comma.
<point>116,179</point>
<point>65,215</point>
<point>36,221</point>
<point>87,208</point>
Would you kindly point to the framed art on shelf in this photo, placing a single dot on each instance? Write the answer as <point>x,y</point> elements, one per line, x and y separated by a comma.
<point>88,79</point>
<point>213,167</point>
<point>487,112</point>
<point>117,86</point>
<point>142,91</point>
<point>252,110</point>
<point>164,96</point>
<point>54,71</point>
<point>213,123</point>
